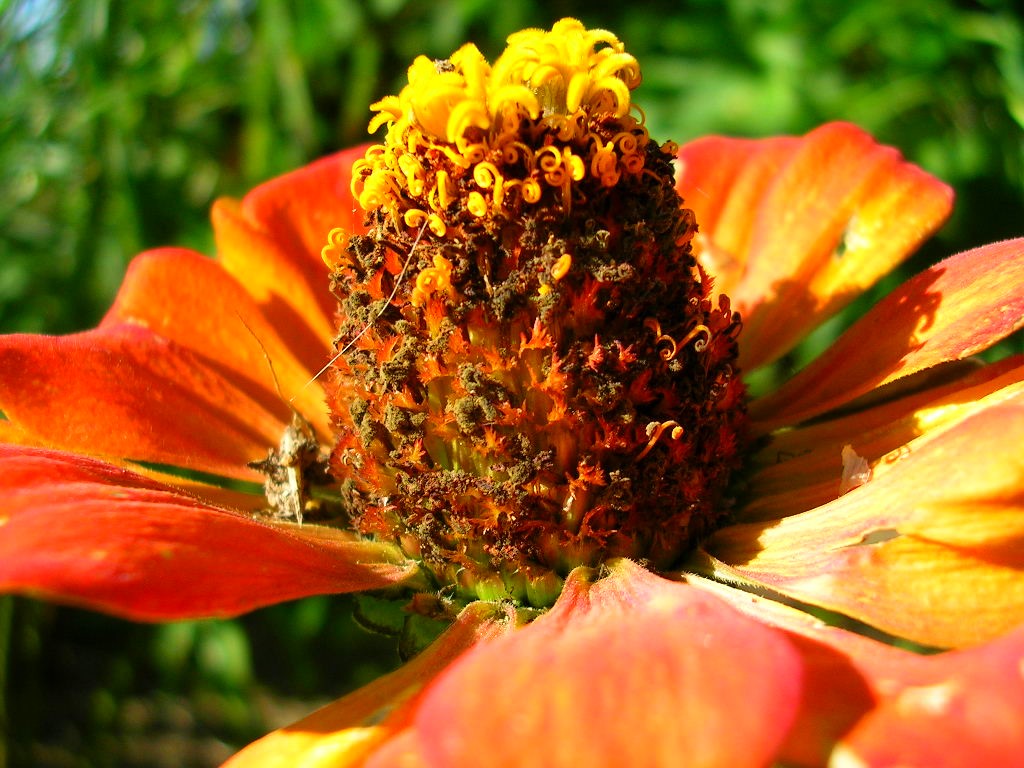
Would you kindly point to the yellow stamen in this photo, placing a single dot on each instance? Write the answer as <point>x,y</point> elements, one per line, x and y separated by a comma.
<point>433,279</point>
<point>333,254</point>
<point>551,86</point>
<point>476,204</point>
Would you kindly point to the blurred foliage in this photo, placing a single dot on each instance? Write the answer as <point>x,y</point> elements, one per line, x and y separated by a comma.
<point>122,121</point>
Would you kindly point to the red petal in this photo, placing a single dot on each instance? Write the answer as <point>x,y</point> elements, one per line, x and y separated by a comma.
<point>630,670</point>
<point>85,532</point>
<point>343,733</point>
<point>227,498</point>
<point>271,242</point>
<point>956,708</point>
<point>957,308</point>
<point>121,391</point>
<point>844,675</point>
<point>804,226</point>
<point>969,714</point>
<point>161,291</point>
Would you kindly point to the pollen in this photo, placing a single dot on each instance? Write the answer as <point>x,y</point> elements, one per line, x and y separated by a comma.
<point>561,267</point>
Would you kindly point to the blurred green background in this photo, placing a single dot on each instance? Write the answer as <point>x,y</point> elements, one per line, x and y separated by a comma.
<point>120,122</point>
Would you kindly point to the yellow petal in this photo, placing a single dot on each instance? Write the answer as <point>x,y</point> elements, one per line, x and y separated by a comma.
<point>895,552</point>
<point>801,468</point>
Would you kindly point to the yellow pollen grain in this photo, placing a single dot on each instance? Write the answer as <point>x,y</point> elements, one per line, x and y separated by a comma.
<point>476,204</point>
<point>445,191</point>
<point>561,267</point>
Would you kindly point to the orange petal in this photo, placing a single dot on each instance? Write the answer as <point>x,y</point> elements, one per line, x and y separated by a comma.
<point>632,669</point>
<point>723,180</point>
<point>122,391</point>
<point>271,243</point>
<point>802,227</point>
<point>82,531</point>
<point>932,550</point>
<point>298,209</point>
<point>345,732</point>
<point>228,498</point>
<point>802,468</point>
<point>957,308</point>
<point>160,292</point>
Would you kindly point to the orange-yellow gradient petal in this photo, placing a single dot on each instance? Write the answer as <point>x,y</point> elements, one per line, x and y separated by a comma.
<point>794,229</point>
<point>802,468</point>
<point>345,732</point>
<point>931,550</point>
<point>629,665</point>
<point>81,531</point>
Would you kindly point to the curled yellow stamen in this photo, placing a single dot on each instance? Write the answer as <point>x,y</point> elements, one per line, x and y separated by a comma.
<point>486,174</point>
<point>431,280</point>
<point>446,191</point>
<point>701,344</point>
<point>655,430</point>
<point>531,190</point>
<point>674,347</point>
<point>414,218</point>
<point>526,122</point>
<point>333,254</point>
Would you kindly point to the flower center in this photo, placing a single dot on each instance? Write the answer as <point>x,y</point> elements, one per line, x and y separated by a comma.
<point>533,374</point>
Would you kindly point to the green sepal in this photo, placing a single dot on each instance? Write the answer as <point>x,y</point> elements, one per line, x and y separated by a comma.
<point>375,614</point>
<point>418,633</point>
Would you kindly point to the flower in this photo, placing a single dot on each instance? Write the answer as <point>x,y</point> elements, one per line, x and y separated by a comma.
<point>526,323</point>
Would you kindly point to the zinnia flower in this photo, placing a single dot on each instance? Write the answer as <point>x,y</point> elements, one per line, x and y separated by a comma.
<point>537,433</point>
